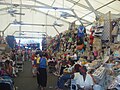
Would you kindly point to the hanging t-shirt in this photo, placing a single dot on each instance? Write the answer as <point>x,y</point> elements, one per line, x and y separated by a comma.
<point>91,39</point>
<point>81,31</point>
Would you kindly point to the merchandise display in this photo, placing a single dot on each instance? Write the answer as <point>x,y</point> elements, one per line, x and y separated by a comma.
<point>115,84</point>
<point>19,65</point>
<point>99,73</point>
<point>95,64</point>
<point>59,45</point>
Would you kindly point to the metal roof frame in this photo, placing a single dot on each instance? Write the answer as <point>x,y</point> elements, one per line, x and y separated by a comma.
<point>75,3</point>
<point>88,8</point>
<point>51,7</point>
<point>81,5</point>
<point>29,32</point>
<point>100,7</point>
<point>30,7</point>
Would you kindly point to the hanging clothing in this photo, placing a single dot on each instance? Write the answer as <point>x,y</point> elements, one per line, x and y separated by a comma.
<point>115,31</point>
<point>91,39</point>
<point>81,31</point>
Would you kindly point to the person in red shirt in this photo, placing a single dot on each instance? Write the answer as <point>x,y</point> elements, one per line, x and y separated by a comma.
<point>91,40</point>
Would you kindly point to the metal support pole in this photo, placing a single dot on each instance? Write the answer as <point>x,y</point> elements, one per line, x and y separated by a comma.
<point>28,37</point>
<point>77,17</point>
<point>25,24</point>
<point>81,5</point>
<point>33,6</point>
<point>5,29</point>
<point>46,24</point>
<point>56,29</point>
<point>20,27</point>
<point>99,8</point>
<point>29,32</point>
<point>91,7</point>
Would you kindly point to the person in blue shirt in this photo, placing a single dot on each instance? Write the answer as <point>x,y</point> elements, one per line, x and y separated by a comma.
<point>42,71</point>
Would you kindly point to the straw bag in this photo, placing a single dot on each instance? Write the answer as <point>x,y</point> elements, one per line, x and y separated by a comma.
<point>114,31</point>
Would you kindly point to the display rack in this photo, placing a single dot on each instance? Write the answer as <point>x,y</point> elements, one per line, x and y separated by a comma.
<point>19,65</point>
<point>115,84</point>
<point>101,76</point>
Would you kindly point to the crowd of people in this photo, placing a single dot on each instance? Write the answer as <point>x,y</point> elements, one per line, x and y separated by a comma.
<point>67,56</point>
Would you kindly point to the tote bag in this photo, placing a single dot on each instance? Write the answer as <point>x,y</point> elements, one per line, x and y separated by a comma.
<point>114,31</point>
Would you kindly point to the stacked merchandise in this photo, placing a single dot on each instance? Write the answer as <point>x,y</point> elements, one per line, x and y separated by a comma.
<point>64,43</point>
<point>3,45</point>
<point>19,61</point>
<point>2,40</point>
<point>19,65</point>
<point>115,83</point>
<point>100,76</point>
<point>62,48</point>
<point>99,26</point>
<point>115,30</point>
<point>6,83</point>
<point>95,64</point>
<point>7,75</point>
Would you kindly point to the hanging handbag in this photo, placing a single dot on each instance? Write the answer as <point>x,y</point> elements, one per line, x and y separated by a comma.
<point>115,31</point>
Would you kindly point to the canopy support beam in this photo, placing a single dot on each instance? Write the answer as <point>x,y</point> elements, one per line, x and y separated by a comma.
<point>59,18</point>
<point>99,8</point>
<point>28,32</point>
<point>56,30</point>
<point>91,7</point>
<point>33,6</point>
<point>81,5</point>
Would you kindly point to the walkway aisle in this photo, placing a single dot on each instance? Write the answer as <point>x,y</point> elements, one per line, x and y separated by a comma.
<point>25,81</point>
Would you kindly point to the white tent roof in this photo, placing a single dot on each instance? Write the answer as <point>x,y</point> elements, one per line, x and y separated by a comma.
<point>36,11</point>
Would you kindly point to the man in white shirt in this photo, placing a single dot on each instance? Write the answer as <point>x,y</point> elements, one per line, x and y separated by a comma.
<point>83,79</point>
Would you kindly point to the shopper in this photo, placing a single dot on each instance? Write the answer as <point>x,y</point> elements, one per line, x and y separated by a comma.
<point>91,40</point>
<point>84,81</point>
<point>42,71</point>
<point>65,76</point>
<point>37,60</point>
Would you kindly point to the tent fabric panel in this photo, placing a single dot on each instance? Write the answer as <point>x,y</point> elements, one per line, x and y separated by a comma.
<point>49,2</point>
<point>63,4</point>
<point>80,11</point>
<point>90,17</point>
